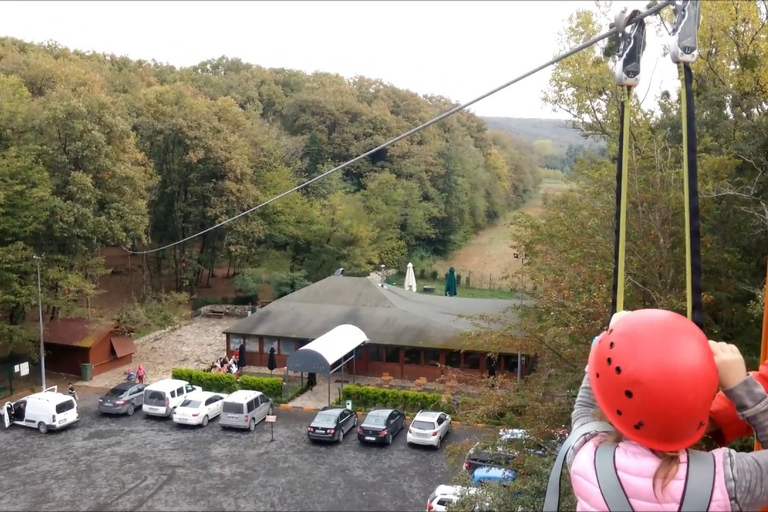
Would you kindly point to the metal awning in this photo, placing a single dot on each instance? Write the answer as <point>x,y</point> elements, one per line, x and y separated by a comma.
<point>320,355</point>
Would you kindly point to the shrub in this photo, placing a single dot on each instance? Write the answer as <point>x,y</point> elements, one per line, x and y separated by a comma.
<point>458,280</point>
<point>226,383</point>
<point>422,273</point>
<point>369,397</point>
<point>433,275</point>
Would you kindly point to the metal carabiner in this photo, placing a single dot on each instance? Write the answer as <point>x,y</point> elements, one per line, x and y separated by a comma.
<point>632,42</point>
<point>685,46</point>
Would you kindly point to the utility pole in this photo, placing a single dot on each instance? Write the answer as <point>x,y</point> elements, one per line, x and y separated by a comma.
<point>40,320</point>
<point>520,256</point>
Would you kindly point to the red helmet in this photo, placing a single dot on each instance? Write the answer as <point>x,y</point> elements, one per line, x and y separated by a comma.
<point>654,377</point>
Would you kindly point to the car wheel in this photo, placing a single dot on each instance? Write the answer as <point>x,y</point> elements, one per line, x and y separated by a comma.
<point>205,421</point>
<point>131,409</point>
<point>439,442</point>
<point>269,413</point>
<point>42,427</point>
<point>252,425</point>
<point>341,434</point>
<point>389,438</point>
<point>355,422</point>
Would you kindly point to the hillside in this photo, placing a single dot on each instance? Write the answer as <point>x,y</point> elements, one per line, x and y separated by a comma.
<point>558,131</point>
<point>101,151</point>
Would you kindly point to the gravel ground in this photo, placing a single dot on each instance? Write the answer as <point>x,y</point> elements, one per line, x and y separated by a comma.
<point>137,463</point>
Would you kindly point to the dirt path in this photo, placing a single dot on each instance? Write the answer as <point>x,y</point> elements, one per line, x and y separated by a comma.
<point>489,257</point>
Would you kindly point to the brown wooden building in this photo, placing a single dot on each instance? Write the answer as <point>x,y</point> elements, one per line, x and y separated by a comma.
<point>411,335</point>
<point>73,341</point>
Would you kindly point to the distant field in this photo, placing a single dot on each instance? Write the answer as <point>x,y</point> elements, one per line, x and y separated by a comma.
<point>489,256</point>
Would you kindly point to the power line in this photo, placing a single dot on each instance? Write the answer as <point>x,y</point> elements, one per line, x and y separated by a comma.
<point>576,49</point>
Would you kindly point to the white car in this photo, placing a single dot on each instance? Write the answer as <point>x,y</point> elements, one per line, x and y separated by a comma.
<point>198,408</point>
<point>446,495</point>
<point>429,428</point>
<point>45,411</point>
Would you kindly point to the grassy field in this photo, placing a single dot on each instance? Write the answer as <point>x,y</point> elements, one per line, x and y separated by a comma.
<point>490,256</point>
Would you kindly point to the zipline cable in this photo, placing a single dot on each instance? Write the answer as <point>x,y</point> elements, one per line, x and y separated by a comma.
<point>637,17</point>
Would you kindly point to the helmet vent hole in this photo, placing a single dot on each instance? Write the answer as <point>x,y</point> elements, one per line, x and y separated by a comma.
<point>639,425</point>
<point>597,375</point>
<point>610,331</point>
<point>611,345</point>
<point>628,394</point>
<point>609,361</point>
<point>618,412</point>
<point>701,426</point>
<point>618,370</point>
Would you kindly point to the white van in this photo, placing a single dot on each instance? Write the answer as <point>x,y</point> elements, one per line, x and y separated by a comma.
<point>47,410</point>
<point>164,396</point>
<point>244,409</point>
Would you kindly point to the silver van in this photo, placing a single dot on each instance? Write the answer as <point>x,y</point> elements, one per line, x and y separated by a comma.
<point>244,409</point>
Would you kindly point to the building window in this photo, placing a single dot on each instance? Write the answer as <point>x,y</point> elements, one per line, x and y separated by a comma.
<point>376,353</point>
<point>235,340</point>
<point>453,359</point>
<point>288,346</point>
<point>431,357</point>
<point>510,363</point>
<point>252,345</point>
<point>268,343</point>
<point>412,356</point>
<point>393,355</point>
<point>471,361</point>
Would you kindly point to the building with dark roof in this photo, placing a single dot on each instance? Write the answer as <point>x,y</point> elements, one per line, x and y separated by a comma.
<point>71,342</point>
<point>411,335</point>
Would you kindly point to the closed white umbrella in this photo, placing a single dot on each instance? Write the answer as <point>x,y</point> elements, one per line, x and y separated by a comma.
<point>410,279</point>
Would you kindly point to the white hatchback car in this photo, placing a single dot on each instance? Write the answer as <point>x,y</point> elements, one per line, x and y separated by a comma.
<point>198,408</point>
<point>446,495</point>
<point>429,428</point>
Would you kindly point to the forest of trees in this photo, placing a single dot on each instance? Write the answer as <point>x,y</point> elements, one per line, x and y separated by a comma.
<point>98,150</point>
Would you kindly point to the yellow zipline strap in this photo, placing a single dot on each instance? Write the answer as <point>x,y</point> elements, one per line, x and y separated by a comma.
<point>632,41</point>
<point>684,52</point>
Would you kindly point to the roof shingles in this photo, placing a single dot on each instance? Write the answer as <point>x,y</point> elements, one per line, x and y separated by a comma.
<point>387,315</point>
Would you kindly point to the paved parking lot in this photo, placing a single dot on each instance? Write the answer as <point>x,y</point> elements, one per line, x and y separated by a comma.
<point>137,463</point>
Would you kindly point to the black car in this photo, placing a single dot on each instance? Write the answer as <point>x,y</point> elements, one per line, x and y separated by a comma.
<point>331,423</point>
<point>380,426</point>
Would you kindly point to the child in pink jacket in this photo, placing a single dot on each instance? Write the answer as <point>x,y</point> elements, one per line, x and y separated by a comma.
<point>643,405</point>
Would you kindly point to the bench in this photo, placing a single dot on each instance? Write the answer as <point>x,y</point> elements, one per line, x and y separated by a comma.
<point>215,313</point>
<point>428,289</point>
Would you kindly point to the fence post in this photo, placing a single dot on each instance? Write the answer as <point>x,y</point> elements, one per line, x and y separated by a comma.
<point>490,280</point>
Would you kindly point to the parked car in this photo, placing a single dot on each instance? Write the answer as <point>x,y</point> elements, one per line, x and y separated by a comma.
<point>446,495</point>
<point>381,426</point>
<point>488,474</point>
<point>501,453</point>
<point>429,428</point>
<point>244,409</point>
<point>45,411</point>
<point>331,423</point>
<point>163,396</point>
<point>199,408</point>
<point>122,399</point>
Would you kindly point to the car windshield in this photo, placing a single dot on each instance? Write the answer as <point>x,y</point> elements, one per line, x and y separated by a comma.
<point>326,418</point>
<point>192,404</point>
<point>378,421</point>
<point>423,425</point>
<point>116,392</point>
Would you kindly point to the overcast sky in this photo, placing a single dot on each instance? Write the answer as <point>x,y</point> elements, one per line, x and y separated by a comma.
<point>455,49</point>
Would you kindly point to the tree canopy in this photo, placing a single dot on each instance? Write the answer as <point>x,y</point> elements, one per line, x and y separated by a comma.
<point>99,150</point>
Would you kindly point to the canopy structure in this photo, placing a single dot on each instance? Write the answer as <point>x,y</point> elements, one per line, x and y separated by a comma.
<point>328,353</point>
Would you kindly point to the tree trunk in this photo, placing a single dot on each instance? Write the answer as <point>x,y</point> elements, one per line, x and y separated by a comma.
<point>229,266</point>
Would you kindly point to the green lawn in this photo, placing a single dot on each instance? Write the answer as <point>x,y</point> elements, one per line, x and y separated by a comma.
<point>470,293</point>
